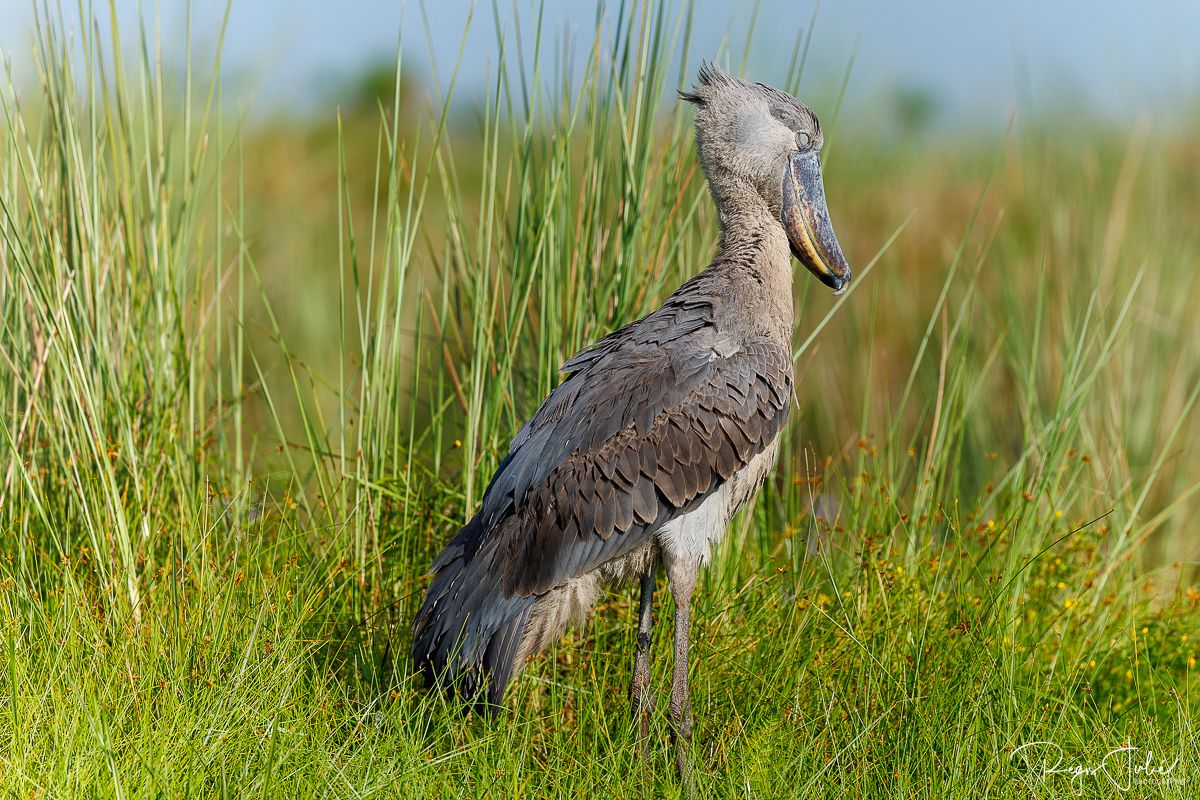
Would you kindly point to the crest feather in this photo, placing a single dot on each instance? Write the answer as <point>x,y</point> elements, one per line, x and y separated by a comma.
<point>709,76</point>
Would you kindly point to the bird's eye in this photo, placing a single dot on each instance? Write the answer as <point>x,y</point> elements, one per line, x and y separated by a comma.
<point>803,140</point>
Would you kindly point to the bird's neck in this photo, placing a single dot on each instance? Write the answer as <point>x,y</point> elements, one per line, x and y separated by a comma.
<point>755,251</point>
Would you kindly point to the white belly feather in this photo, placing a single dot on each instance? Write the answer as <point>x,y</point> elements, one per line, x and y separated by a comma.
<point>692,536</point>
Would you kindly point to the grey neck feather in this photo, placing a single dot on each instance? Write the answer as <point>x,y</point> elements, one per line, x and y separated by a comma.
<point>742,213</point>
<point>753,243</point>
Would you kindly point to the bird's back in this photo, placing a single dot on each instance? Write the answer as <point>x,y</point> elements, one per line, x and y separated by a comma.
<point>651,421</point>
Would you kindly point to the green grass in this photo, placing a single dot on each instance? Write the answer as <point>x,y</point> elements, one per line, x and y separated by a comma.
<point>255,375</point>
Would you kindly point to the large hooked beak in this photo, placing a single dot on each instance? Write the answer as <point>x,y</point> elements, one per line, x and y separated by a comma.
<point>806,220</point>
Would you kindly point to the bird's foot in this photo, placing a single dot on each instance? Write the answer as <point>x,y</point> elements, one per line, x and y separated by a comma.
<point>681,734</point>
<point>642,708</point>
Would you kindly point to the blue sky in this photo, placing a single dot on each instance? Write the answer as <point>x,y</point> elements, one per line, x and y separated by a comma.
<point>979,59</point>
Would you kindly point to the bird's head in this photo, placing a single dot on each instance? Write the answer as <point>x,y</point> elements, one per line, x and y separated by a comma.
<point>751,135</point>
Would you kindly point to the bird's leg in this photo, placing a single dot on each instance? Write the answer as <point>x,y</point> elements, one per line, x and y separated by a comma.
<point>639,690</point>
<point>682,575</point>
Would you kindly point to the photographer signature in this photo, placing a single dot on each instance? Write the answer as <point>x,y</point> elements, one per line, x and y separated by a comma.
<point>1121,766</point>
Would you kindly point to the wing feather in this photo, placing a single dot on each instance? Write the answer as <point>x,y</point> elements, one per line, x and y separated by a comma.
<point>648,422</point>
<point>619,489</point>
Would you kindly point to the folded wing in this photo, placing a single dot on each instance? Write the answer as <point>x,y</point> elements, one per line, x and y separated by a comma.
<point>649,422</point>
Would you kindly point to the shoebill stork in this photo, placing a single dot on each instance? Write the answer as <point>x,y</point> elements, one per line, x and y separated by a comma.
<point>659,432</point>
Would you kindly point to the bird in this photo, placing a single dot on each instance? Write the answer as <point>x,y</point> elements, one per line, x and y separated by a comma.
<point>635,463</point>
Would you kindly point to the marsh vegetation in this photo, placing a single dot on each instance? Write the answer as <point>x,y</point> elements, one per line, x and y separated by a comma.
<point>257,372</point>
